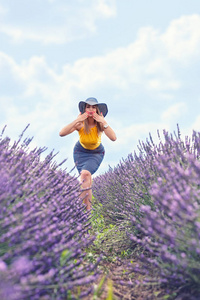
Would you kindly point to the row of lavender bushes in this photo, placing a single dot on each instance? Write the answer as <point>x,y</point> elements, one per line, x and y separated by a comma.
<point>156,195</point>
<point>43,227</point>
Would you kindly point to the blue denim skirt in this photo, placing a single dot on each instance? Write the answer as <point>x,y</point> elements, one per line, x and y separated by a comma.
<point>89,160</point>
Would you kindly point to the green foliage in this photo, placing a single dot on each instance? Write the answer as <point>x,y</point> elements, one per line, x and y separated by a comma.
<point>65,256</point>
<point>98,290</point>
<point>111,240</point>
<point>110,290</point>
<point>149,210</point>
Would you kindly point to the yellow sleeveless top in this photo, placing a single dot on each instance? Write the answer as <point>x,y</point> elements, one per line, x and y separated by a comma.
<point>89,140</point>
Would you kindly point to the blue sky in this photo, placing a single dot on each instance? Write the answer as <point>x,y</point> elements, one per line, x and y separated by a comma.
<point>140,57</point>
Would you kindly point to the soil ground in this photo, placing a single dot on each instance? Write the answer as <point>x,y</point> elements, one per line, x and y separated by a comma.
<point>113,275</point>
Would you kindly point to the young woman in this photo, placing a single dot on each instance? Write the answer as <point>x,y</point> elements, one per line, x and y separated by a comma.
<point>88,151</point>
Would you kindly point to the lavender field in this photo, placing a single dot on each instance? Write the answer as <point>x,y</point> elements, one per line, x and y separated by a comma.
<point>154,198</point>
<point>43,227</point>
<point>146,217</point>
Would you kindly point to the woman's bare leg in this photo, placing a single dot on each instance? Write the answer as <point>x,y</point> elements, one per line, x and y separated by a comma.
<point>86,179</point>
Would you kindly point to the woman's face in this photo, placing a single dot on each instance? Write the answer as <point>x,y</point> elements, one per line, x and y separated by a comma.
<point>90,109</point>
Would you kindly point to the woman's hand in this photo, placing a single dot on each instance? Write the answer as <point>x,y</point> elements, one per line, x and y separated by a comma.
<point>82,117</point>
<point>75,125</point>
<point>108,130</point>
<point>99,118</point>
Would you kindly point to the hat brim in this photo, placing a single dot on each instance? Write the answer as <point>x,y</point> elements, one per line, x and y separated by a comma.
<point>102,107</point>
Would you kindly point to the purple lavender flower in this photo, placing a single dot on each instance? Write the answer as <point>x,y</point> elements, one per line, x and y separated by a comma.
<point>42,224</point>
<point>155,196</point>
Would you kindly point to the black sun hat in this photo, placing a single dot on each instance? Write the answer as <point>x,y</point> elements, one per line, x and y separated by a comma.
<point>93,101</point>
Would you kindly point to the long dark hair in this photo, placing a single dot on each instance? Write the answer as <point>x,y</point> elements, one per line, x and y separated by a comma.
<point>86,125</point>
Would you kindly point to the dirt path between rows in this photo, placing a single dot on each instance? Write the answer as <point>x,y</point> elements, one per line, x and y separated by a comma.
<point>115,272</point>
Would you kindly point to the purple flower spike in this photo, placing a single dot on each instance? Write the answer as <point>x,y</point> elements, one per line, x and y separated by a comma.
<point>43,222</point>
<point>155,196</point>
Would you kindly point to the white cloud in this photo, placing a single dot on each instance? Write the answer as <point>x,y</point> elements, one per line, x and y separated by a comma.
<point>196,124</point>
<point>40,95</point>
<point>182,38</point>
<point>174,112</point>
<point>128,137</point>
<point>106,8</point>
<point>53,22</point>
<point>146,64</point>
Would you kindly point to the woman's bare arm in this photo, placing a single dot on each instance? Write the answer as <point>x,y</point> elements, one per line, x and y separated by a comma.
<point>110,133</point>
<point>108,130</point>
<point>75,125</point>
